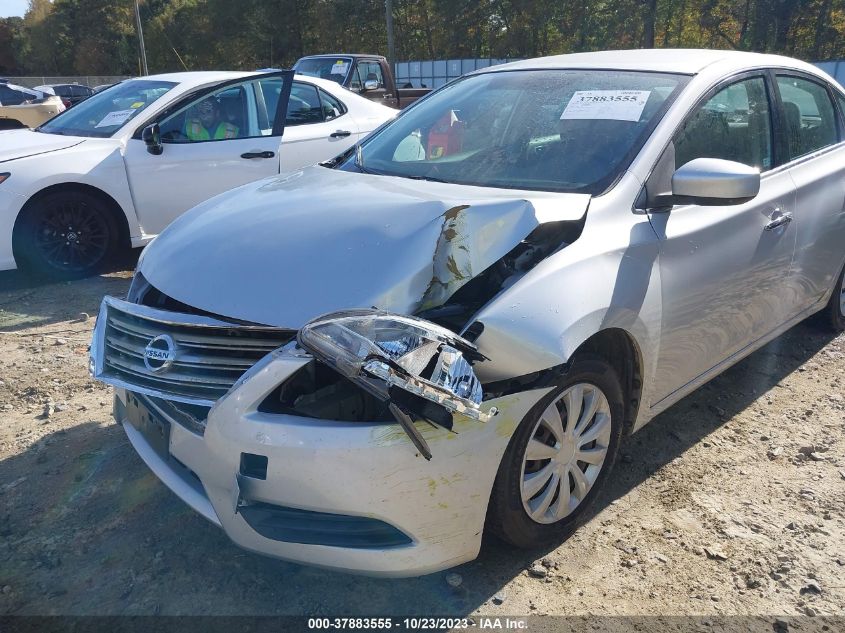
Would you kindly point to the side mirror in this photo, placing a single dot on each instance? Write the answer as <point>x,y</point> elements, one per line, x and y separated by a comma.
<point>371,84</point>
<point>151,135</point>
<point>714,182</point>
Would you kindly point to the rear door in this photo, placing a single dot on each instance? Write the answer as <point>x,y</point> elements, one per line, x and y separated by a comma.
<point>815,144</point>
<point>318,126</point>
<point>724,269</point>
<point>240,145</point>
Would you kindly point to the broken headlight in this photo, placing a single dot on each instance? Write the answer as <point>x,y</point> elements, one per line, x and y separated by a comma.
<point>383,352</point>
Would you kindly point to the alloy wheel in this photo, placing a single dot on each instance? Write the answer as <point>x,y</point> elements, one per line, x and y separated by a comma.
<point>566,453</point>
<point>72,236</point>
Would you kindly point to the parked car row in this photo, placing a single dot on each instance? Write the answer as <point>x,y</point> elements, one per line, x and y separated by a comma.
<point>25,107</point>
<point>70,94</point>
<point>454,325</point>
<point>22,107</point>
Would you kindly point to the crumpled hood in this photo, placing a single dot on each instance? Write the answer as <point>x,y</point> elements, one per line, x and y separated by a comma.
<point>285,250</point>
<point>16,144</point>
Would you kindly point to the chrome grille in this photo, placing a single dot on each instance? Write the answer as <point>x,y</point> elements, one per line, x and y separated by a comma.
<point>210,355</point>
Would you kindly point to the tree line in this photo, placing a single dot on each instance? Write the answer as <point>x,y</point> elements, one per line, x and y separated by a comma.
<point>98,37</point>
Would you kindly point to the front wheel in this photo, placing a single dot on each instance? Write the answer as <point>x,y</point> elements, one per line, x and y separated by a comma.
<point>64,235</point>
<point>559,457</point>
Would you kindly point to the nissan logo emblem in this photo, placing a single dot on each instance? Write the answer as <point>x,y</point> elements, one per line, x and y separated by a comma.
<point>160,353</point>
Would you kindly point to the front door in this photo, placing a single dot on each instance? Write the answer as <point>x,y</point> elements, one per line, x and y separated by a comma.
<point>227,137</point>
<point>724,269</point>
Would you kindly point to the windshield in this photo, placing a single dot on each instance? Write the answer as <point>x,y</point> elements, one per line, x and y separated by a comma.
<point>106,112</point>
<point>551,130</point>
<point>331,68</point>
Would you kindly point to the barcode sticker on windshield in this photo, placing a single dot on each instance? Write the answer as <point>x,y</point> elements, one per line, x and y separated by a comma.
<point>616,105</point>
<point>339,68</point>
<point>117,117</point>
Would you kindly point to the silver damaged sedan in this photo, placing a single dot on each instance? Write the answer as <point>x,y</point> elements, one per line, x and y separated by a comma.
<point>455,325</point>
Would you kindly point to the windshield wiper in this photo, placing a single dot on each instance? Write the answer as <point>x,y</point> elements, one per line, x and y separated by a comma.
<point>428,178</point>
<point>359,159</point>
<point>359,162</point>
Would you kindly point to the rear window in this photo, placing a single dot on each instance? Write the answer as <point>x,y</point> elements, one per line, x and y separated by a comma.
<point>332,68</point>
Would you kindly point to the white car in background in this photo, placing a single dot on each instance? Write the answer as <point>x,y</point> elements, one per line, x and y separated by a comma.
<point>113,171</point>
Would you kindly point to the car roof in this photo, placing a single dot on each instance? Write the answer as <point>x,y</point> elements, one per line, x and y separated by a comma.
<point>209,77</point>
<point>352,55</point>
<point>670,60</point>
<point>20,88</point>
<point>197,77</point>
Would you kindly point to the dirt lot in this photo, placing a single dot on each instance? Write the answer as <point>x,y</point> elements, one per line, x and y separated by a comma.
<point>733,502</point>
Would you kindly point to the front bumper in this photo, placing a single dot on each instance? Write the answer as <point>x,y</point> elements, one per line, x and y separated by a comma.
<point>10,206</point>
<point>351,469</point>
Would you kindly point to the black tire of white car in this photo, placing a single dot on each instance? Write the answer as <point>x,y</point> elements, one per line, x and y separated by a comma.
<point>65,235</point>
<point>507,516</point>
<point>833,311</point>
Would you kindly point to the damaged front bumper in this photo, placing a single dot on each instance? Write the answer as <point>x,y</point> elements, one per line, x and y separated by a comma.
<point>354,496</point>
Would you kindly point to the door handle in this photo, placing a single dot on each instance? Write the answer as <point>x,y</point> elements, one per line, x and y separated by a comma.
<point>782,220</point>
<point>266,154</point>
<point>340,134</point>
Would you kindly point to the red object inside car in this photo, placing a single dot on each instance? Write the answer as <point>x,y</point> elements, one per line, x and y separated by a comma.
<point>446,136</point>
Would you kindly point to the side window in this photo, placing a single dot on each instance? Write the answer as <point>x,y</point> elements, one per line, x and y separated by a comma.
<point>371,71</point>
<point>82,91</point>
<point>267,93</point>
<point>735,124</point>
<point>229,113</point>
<point>355,81</point>
<point>332,107</point>
<point>810,117</point>
<point>304,106</point>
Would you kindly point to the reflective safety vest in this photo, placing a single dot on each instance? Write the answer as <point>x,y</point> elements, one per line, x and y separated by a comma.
<point>195,130</point>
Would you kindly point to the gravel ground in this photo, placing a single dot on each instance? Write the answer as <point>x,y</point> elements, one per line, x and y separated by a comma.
<point>730,503</point>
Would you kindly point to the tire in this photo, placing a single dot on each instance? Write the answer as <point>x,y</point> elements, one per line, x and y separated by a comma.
<point>835,310</point>
<point>65,235</point>
<point>509,515</point>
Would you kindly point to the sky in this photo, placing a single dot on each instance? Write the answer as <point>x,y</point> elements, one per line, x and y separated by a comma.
<point>13,7</point>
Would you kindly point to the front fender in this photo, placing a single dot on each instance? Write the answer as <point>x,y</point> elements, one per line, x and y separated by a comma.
<point>97,163</point>
<point>608,278</point>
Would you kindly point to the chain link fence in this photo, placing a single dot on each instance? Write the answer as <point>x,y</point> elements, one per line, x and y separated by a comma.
<point>410,74</point>
<point>86,80</point>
